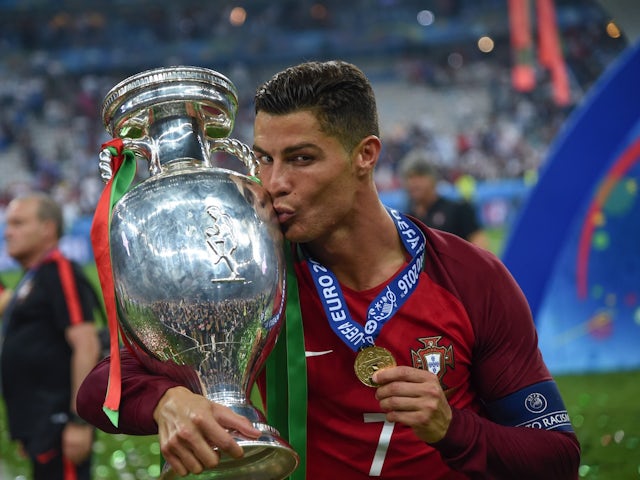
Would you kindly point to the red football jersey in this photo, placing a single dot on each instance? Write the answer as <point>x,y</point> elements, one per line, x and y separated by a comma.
<point>468,322</point>
<point>347,433</point>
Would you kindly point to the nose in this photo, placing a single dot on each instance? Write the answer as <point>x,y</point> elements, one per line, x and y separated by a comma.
<point>275,178</point>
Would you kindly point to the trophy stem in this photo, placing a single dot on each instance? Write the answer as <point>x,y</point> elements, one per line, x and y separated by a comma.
<point>177,138</point>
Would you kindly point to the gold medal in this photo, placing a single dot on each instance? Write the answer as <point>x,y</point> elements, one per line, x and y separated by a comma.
<point>369,361</point>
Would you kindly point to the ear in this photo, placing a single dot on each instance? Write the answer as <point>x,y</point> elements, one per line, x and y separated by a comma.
<point>51,229</point>
<point>366,155</point>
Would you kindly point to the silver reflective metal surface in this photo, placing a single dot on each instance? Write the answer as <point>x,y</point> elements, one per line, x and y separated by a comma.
<point>197,253</point>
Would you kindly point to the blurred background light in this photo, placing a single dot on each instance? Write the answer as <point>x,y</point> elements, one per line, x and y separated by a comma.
<point>425,17</point>
<point>238,16</point>
<point>485,44</point>
<point>612,30</point>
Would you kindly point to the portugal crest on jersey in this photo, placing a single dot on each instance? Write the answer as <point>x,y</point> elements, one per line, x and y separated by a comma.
<point>433,357</point>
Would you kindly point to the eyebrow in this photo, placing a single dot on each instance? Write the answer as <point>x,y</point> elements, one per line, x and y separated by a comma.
<point>290,149</point>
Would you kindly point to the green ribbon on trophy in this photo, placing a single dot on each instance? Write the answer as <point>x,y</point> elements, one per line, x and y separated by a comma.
<point>123,166</point>
<point>287,403</point>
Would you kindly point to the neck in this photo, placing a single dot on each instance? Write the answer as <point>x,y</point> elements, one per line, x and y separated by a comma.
<point>364,254</point>
<point>35,259</point>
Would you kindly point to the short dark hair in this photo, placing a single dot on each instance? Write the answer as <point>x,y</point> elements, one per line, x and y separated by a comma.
<point>336,92</point>
<point>418,163</point>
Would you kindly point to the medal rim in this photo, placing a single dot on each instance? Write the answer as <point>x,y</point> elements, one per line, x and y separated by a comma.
<point>366,380</point>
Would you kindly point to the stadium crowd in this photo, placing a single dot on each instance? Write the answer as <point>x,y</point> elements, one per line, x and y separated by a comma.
<point>51,130</point>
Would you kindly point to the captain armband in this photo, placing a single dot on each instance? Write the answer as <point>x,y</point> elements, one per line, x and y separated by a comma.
<point>536,406</point>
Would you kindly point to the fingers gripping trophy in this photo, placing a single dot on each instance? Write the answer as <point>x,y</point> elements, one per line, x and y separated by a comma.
<point>196,252</point>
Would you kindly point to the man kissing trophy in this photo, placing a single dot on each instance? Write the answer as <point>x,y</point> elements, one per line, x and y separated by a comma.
<point>191,258</point>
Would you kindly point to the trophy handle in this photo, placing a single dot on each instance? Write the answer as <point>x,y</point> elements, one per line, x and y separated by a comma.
<point>238,150</point>
<point>142,147</point>
<point>104,165</point>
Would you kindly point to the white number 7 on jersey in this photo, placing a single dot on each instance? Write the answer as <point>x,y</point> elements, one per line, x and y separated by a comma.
<point>383,442</point>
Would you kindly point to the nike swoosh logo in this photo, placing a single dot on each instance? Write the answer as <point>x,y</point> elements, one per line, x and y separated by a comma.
<point>316,354</point>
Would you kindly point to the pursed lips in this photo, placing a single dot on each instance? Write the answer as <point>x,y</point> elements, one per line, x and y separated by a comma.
<point>284,214</point>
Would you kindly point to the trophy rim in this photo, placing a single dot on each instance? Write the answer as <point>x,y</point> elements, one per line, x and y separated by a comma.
<point>163,76</point>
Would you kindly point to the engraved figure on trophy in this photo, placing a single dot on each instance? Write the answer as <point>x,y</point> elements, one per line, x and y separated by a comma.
<point>221,239</point>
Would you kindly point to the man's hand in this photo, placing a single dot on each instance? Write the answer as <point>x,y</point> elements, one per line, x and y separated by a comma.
<point>414,398</point>
<point>77,441</point>
<point>190,426</point>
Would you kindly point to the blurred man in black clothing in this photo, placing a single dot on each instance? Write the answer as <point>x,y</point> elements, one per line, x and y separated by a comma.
<point>49,344</point>
<point>426,204</point>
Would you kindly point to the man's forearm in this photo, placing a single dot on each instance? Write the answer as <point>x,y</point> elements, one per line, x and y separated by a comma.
<point>141,391</point>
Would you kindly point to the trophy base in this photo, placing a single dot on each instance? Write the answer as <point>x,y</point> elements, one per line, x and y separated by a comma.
<point>265,458</point>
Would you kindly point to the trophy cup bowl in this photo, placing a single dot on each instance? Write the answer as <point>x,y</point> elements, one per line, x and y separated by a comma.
<point>196,252</point>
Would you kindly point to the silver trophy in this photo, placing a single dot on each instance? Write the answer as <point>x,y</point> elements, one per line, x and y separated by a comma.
<point>196,251</point>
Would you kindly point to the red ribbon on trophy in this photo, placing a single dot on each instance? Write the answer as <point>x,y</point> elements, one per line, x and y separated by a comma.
<point>123,168</point>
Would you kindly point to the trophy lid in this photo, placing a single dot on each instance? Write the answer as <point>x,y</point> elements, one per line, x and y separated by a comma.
<point>130,106</point>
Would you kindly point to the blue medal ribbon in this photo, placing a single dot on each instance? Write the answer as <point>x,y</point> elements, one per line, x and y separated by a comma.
<point>386,304</point>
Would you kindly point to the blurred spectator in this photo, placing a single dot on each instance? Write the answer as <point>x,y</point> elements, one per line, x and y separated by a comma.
<point>436,211</point>
<point>49,344</point>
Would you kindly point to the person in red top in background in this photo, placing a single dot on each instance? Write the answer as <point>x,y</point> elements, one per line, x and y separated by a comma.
<point>49,344</point>
<point>470,396</point>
